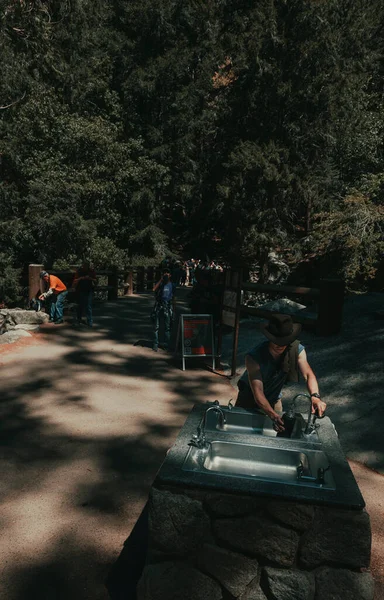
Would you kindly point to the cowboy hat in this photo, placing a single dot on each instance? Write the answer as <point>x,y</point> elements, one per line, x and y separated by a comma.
<point>281,329</point>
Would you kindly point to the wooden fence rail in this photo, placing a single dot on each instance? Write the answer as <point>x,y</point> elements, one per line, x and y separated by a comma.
<point>131,280</point>
<point>329,296</point>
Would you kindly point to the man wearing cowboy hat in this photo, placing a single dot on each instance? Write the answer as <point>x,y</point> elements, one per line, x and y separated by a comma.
<point>270,364</point>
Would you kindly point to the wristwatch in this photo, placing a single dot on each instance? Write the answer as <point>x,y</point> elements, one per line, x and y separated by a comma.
<point>316,395</point>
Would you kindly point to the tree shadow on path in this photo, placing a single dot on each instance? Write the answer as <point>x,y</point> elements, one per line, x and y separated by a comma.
<point>86,420</point>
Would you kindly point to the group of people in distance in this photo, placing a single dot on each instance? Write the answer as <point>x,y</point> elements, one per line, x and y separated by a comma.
<point>184,272</point>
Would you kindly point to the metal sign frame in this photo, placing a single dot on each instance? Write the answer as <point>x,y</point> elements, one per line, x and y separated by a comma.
<point>231,311</point>
<point>180,332</point>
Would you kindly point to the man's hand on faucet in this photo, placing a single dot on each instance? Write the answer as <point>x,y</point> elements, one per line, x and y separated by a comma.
<point>278,423</point>
<point>318,407</point>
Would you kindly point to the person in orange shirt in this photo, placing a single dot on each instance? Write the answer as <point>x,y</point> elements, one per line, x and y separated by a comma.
<point>56,292</point>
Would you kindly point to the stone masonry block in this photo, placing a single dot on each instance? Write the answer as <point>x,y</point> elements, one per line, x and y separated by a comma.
<point>337,537</point>
<point>178,525</point>
<point>260,537</point>
<point>342,584</point>
<point>234,571</point>
<point>297,516</point>
<point>288,584</point>
<point>176,581</point>
<point>253,592</point>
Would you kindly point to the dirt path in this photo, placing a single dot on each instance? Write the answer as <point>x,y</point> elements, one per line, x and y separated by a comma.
<point>372,487</point>
<point>86,420</point>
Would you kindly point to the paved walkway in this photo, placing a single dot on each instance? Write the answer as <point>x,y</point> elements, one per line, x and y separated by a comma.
<point>87,417</point>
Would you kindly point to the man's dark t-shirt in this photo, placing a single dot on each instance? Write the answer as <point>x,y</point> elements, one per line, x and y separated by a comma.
<point>272,373</point>
<point>85,286</point>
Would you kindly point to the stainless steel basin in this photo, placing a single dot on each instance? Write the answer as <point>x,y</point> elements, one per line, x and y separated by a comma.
<point>238,421</point>
<point>280,465</point>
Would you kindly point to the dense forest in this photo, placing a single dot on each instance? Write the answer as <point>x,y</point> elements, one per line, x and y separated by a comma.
<point>131,129</point>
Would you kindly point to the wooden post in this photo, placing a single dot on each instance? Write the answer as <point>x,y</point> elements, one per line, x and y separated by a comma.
<point>237,322</point>
<point>128,281</point>
<point>113,281</point>
<point>330,306</point>
<point>220,331</point>
<point>150,278</point>
<point>140,279</point>
<point>34,280</point>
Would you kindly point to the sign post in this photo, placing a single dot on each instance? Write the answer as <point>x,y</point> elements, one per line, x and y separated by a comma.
<point>196,332</point>
<point>230,310</point>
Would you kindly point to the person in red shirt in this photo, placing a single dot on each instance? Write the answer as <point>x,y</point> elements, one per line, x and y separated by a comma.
<point>56,292</point>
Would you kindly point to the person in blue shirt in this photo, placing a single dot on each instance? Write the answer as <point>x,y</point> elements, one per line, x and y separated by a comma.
<point>164,307</point>
<point>270,364</point>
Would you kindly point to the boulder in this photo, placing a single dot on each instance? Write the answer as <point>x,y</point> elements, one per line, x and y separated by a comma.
<point>29,317</point>
<point>233,571</point>
<point>13,336</point>
<point>178,581</point>
<point>283,305</point>
<point>26,327</point>
<point>6,323</point>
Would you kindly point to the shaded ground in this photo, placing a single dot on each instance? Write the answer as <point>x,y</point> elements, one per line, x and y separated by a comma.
<point>87,417</point>
<point>372,487</point>
<point>86,420</point>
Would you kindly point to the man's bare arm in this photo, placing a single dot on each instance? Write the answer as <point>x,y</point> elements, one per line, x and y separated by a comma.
<point>257,387</point>
<point>311,381</point>
<point>156,286</point>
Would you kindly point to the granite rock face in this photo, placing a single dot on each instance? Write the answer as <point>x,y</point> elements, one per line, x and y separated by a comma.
<point>289,584</point>
<point>30,317</point>
<point>297,516</point>
<point>337,537</point>
<point>176,581</point>
<point>178,525</point>
<point>260,537</point>
<point>13,336</point>
<point>26,327</point>
<point>233,571</point>
<point>342,584</point>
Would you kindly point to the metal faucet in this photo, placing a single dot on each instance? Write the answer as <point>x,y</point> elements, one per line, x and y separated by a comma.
<point>308,428</point>
<point>199,440</point>
<point>320,479</point>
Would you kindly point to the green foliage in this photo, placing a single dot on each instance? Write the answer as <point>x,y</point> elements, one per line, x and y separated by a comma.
<point>104,254</point>
<point>10,288</point>
<point>131,130</point>
<point>354,235</point>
